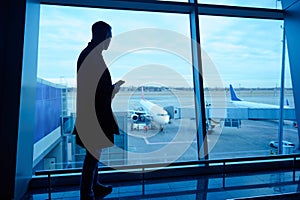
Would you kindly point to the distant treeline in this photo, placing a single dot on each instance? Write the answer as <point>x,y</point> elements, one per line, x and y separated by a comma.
<point>160,89</point>
<point>155,88</point>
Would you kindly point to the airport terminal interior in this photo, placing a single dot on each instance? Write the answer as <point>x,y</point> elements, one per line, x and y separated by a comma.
<point>209,109</point>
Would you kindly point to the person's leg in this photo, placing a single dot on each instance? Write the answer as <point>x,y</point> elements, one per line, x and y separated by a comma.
<point>90,165</point>
<point>95,179</point>
<point>98,188</point>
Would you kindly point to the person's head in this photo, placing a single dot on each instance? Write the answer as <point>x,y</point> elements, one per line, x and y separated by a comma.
<point>101,31</point>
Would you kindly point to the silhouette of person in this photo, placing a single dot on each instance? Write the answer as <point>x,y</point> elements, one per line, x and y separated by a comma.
<point>90,187</point>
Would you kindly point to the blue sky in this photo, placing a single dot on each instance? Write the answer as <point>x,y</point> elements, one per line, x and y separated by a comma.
<point>245,52</point>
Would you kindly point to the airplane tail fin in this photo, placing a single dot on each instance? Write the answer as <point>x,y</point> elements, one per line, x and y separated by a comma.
<point>143,96</point>
<point>233,94</point>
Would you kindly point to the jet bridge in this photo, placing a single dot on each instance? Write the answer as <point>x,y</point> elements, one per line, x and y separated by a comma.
<point>232,116</point>
<point>250,113</point>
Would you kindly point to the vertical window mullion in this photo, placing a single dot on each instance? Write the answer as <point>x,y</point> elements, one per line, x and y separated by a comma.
<point>198,83</point>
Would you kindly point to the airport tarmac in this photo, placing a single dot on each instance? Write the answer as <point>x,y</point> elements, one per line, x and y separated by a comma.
<point>178,141</point>
<point>252,139</point>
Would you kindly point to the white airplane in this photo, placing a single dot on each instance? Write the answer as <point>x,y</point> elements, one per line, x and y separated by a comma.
<point>151,111</point>
<point>237,102</point>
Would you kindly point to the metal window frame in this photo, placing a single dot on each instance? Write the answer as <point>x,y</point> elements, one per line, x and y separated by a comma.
<point>174,7</point>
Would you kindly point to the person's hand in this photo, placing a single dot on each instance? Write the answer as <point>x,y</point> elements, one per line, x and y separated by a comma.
<point>119,83</point>
<point>117,86</point>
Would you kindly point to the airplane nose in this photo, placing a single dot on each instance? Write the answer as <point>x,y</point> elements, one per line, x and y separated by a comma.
<point>167,120</point>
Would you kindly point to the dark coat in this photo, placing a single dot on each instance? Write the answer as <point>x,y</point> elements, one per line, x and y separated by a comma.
<point>103,99</point>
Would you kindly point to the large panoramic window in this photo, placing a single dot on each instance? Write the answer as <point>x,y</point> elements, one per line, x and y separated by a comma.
<point>243,98</point>
<point>155,107</point>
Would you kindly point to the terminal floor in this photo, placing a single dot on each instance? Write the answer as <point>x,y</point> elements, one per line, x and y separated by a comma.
<point>211,187</point>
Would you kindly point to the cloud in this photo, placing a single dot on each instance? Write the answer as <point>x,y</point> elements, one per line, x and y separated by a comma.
<point>243,49</point>
<point>63,34</point>
<point>240,48</point>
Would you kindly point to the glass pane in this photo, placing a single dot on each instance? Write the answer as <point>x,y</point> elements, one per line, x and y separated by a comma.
<point>246,54</point>
<point>151,53</point>
<point>274,4</point>
<point>290,125</point>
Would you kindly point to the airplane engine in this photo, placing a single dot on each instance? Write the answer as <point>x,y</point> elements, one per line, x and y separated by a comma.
<point>134,117</point>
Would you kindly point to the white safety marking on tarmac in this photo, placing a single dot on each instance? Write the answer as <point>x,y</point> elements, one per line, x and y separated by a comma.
<point>152,143</point>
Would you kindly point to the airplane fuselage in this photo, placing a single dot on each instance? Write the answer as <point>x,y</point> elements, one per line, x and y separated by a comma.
<point>159,115</point>
<point>247,104</point>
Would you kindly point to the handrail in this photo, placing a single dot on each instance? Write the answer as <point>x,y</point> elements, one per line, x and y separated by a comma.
<point>160,165</point>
